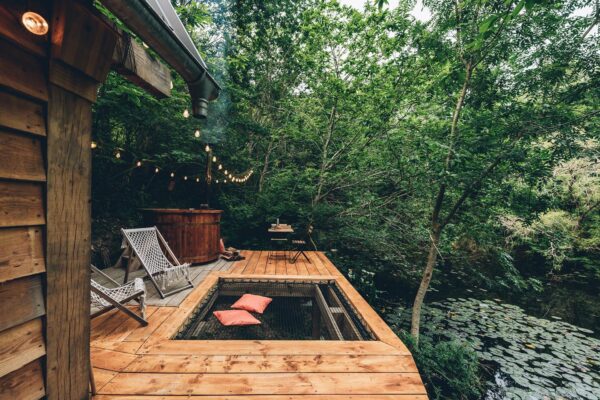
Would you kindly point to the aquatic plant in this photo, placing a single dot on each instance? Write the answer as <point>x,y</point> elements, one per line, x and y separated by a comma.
<point>533,358</point>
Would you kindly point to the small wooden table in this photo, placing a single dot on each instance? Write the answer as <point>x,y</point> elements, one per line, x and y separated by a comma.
<point>279,234</point>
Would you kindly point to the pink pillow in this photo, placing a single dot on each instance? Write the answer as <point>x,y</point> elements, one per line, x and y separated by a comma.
<point>235,318</point>
<point>252,303</point>
<point>221,246</point>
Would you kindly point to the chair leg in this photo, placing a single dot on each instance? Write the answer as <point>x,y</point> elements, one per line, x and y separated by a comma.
<point>305,256</point>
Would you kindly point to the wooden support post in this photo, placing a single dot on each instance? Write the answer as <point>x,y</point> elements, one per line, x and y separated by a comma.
<point>81,51</point>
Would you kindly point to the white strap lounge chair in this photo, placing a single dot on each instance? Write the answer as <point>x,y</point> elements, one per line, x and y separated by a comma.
<point>146,246</point>
<point>105,299</point>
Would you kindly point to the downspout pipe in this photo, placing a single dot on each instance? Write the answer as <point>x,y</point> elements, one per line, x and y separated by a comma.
<point>157,24</point>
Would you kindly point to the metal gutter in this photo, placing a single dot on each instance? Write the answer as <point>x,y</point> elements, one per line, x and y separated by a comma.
<point>157,24</point>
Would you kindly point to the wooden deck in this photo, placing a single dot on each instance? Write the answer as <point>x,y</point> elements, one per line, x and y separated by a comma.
<point>143,363</point>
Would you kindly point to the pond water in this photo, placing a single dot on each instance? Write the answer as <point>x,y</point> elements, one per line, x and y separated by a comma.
<point>530,358</point>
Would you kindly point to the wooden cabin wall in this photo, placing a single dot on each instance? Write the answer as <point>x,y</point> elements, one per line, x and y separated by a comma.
<point>47,87</point>
<point>23,103</point>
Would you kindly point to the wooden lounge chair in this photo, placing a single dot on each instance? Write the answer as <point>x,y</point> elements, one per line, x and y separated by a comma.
<point>105,299</point>
<point>147,245</point>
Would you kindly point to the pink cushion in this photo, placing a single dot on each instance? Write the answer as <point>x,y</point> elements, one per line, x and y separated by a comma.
<point>252,303</point>
<point>235,318</point>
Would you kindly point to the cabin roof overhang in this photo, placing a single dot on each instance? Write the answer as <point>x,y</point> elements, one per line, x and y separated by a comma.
<point>157,24</point>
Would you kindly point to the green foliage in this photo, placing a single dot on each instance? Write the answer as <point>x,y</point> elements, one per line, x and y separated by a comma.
<point>449,369</point>
<point>345,117</point>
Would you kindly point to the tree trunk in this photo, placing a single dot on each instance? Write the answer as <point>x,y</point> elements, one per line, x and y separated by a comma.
<point>425,280</point>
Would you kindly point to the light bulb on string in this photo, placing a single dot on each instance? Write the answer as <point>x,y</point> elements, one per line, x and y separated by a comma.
<point>186,113</point>
<point>214,159</point>
<point>197,133</point>
<point>94,145</point>
<point>172,174</point>
<point>225,181</point>
<point>138,164</point>
<point>225,172</point>
<point>197,179</point>
<point>220,167</point>
<point>185,178</point>
<point>207,148</point>
<point>118,154</point>
<point>156,170</point>
<point>217,181</point>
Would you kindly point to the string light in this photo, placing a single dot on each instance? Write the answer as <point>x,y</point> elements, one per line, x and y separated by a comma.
<point>220,167</point>
<point>225,181</point>
<point>156,170</point>
<point>186,113</point>
<point>225,172</point>
<point>217,181</point>
<point>197,179</point>
<point>172,174</point>
<point>185,178</point>
<point>207,148</point>
<point>139,163</point>
<point>118,154</point>
<point>94,145</point>
<point>197,133</point>
<point>214,159</point>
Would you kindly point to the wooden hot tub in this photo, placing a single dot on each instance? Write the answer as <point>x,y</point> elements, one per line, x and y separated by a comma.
<point>192,234</point>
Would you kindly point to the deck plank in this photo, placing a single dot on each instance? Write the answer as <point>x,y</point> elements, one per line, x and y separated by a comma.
<point>270,397</point>
<point>271,363</point>
<point>267,383</point>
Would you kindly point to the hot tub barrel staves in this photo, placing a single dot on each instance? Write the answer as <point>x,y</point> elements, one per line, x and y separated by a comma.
<point>192,234</point>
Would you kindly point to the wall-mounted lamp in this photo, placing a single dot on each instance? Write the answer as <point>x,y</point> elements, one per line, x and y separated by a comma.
<point>34,23</point>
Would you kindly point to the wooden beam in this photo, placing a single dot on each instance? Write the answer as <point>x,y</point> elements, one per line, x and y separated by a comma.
<point>26,383</point>
<point>342,317</point>
<point>135,64</point>
<point>21,253</point>
<point>83,44</point>
<point>21,300</point>
<point>21,345</point>
<point>327,317</point>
